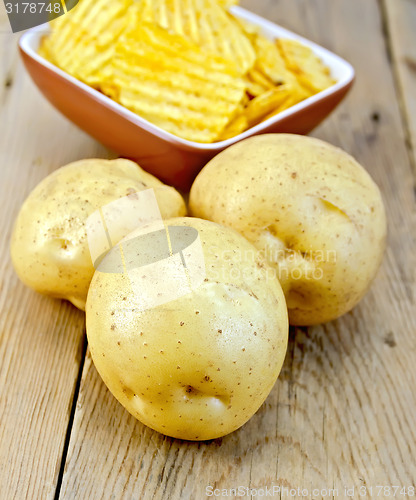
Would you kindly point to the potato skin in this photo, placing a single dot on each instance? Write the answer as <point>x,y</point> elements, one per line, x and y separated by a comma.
<point>200,366</point>
<point>49,246</point>
<point>310,207</point>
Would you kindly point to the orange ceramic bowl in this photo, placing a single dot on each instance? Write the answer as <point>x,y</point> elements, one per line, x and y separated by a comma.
<point>174,160</point>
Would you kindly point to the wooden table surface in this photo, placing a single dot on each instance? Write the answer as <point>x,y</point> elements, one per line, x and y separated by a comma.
<point>343,412</point>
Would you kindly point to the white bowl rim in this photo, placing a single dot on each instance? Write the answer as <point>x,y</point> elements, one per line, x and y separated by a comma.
<point>29,43</point>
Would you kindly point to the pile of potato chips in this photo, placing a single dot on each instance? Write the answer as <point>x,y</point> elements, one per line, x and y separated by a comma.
<point>188,66</point>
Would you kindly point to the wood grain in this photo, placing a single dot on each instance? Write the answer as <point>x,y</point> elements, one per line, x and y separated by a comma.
<point>342,411</point>
<point>41,340</point>
<point>401,29</point>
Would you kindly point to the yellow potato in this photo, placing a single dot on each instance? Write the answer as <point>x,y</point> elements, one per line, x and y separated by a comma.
<point>197,367</point>
<point>49,245</point>
<point>311,208</point>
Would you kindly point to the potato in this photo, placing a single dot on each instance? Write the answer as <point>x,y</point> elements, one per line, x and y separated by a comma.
<point>199,366</point>
<point>312,210</point>
<point>49,246</point>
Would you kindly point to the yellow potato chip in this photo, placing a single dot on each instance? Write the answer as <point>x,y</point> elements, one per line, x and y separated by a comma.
<point>45,48</point>
<point>206,23</point>
<point>309,69</point>
<point>174,84</point>
<point>271,63</point>
<point>83,40</point>
<point>259,78</point>
<point>237,126</point>
<point>265,104</point>
<point>286,104</point>
<point>227,4</point>
<point>254,89</point>
<point>249,29</point>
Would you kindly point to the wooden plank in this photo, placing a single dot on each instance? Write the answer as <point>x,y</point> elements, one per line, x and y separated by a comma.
<point>342,412</point>
<point>401,27</point>
<point>41,340</point>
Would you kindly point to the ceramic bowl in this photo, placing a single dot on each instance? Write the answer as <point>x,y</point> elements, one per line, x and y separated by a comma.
<point>174,160</point>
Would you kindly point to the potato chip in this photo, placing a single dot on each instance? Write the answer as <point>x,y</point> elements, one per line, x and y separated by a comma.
<point>237,126</point>
<point>174,84</point>
<point>261,79</point>
<point>83,40</point>
<point>271,69</point>
<point>227,4</point>
<point>45,48</point>
<point>254,89</point>
<point>310,70</point>
<point>265,104</point>
<point>206,23</point>
<point>249,29</point>
<point>286,104</point>
<point>271,63</point>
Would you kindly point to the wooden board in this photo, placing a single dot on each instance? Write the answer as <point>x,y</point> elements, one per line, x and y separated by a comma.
<point>401,32</point>
<point>342,412</point>
<point>41,340</point>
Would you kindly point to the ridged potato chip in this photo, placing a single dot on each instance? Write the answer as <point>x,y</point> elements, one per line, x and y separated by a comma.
<point>311,72</point>
<point>206,23</point>
<point>266,103</point>
<point>259,78</point>
<point>226,4</point>
<point>83,41</point>
<point>235,127</point>
<point>271,63</point>
<point>195,103</point>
